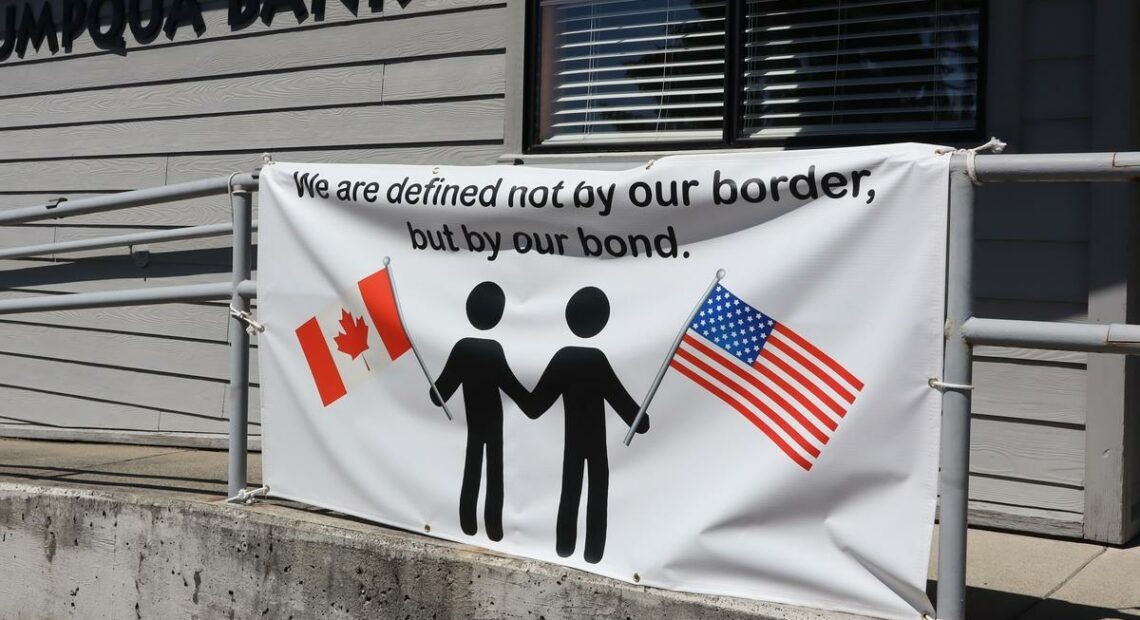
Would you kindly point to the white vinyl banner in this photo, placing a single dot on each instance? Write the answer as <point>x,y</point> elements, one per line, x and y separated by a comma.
<point>777,315</point>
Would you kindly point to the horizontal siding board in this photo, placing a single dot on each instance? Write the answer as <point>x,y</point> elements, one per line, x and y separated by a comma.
<point>461,76</point>
<point>1035,520</point>
<point>1031,270</point>
<point>214,15</point>
<point>88,276</point>
<point>19,406</point>
<point>192,212</point>
<point>388,124</point>
<point>214,251</point>
<point>1028,451</point>
<point>1033,355</point>
<point>356,42</point>
<point>192,167</point>
<point>324,87</point>
<point>1028,494</point>
<point>40,197</point>
<point>134,351</point>
<point>1065,312</point>
<point>142,389</point>
<point>1031,391</point>
<point>1033,212</point>
<point>80,175</point>
<point>176,423</point>
<point>20,236</point>
<point>169,320</point>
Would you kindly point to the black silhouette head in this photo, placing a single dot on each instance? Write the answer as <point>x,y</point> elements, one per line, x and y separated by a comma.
<point>485,305</point>
<point>587,312</point>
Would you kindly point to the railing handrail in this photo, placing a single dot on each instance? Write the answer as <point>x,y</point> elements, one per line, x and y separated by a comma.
<point>184,233</point>
<point>131,199</point>
<point>963,331</point>
<point>239,290</point>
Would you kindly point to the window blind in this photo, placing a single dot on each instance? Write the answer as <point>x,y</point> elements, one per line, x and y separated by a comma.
<point>833,67</point>
<point>631,70</point>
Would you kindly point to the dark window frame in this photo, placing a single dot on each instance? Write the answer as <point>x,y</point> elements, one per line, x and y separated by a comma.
<point>731,137</point>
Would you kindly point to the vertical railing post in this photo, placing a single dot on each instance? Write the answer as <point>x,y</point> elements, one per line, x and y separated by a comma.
<point>239,342</point>
<point>955,450</point>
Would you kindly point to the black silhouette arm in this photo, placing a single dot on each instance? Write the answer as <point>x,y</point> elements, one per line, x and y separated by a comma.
<point>514,389</point>
<point>616,394</point>
<point>548,390</point>
<point>449,379</point>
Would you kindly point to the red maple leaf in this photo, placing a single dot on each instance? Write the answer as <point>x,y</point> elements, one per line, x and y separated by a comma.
<point>354,338</point>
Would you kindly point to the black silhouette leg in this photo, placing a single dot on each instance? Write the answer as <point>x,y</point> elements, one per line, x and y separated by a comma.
<point>598,469</point>
<point>567,529</point>
<point>469,493</point>
<point>493,517</point>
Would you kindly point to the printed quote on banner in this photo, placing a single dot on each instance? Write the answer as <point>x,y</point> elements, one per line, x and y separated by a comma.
<point>472,351</point>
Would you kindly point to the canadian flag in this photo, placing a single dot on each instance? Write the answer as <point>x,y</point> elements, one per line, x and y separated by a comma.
<point>335,340</point>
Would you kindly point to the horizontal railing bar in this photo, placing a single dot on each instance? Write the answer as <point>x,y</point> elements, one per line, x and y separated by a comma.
<point>1115,338</point>
<point>1055,167</point>
<point>99,243</point>
<point>129,297</point>
<point>126,200</point>
<point>247,289</point>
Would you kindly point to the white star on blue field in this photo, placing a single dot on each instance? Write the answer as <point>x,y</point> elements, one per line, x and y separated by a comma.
<point>733,325</point>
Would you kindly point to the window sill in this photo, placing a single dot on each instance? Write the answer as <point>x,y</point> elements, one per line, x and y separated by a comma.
<point>620,158</point>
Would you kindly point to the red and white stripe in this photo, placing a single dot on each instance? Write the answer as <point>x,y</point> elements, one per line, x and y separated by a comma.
<point>335,372</point>
<point>794,393</point>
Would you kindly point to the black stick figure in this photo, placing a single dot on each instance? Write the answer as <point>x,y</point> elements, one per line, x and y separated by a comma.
<point>584,379</point>
<point>481,367</point>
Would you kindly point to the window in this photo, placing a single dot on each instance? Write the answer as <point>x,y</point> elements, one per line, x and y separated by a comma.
<point>629,73</point>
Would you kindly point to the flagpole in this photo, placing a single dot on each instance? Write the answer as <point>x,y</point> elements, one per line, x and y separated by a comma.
<point>415,351</point>
<point>669,358</point>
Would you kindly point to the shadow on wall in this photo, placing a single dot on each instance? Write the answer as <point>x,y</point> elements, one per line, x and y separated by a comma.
<point>1031,251</point>
<point>120,266</point>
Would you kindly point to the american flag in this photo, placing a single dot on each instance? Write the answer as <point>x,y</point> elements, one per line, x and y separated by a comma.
<point>793,392</point>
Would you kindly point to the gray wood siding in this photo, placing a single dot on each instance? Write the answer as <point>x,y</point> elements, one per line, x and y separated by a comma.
<point>1034,260</point>
<point>417,84</point>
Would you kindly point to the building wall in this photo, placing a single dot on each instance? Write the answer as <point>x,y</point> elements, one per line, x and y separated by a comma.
<point>1031,262</point>
<point>425,83</point>
<point>421,83</point>
<point>1051,428</point>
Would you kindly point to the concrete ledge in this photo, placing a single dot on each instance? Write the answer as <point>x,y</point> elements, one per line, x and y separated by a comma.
<point>75,552</point>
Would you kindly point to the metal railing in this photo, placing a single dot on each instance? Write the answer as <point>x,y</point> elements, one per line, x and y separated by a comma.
<point>963,330</point>
<point>238,290</point>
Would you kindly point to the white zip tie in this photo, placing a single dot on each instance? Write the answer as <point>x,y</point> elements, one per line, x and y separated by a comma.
<point>993,145</point>
<point>949,387</point>
<point>247,497</point>
<point>252,327</point>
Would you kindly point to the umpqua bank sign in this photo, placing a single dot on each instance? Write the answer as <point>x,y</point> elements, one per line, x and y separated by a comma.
<point>39,24</point>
